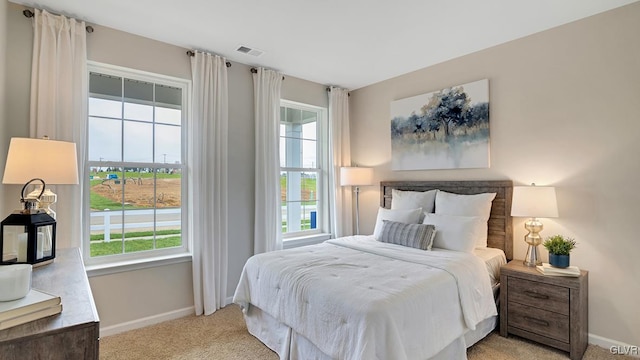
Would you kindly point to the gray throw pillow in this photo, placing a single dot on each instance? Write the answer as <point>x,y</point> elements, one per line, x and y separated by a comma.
<point>419,236</point>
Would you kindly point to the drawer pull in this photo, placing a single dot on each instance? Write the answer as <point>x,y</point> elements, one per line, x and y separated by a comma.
<point>536,295</point>
<point>537,321</point>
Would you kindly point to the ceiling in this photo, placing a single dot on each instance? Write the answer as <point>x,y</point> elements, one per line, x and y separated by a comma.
<point>347,43</point>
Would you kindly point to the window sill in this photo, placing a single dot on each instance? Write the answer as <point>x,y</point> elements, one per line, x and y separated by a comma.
<point>138,264</point>
<point>290,243</point>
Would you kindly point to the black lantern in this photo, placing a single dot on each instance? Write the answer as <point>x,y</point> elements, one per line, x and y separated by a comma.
<point>28,236</point>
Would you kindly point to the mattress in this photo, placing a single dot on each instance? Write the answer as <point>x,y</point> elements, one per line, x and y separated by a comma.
<point>494,259</point>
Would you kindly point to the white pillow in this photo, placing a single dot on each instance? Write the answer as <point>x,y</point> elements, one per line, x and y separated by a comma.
<point>401,199</point>
<point>459,233</point>
<point>464,205</point>
<point>409,216</point>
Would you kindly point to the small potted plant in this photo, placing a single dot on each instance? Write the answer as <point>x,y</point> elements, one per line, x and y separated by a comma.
<point>559,248</point>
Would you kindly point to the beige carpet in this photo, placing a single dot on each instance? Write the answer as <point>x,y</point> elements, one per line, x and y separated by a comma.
<point>224,335</point>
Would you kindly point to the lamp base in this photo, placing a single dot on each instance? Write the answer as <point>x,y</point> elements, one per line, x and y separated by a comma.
<point>533,256</point>
<point>533,238</point>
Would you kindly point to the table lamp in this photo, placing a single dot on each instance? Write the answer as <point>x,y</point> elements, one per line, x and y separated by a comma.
<point>356,176</point>
<point>534,202</point>
<point>29,233</point>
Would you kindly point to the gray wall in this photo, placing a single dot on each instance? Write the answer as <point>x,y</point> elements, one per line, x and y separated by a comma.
<point>564,112</point>
<point>150,293</point>
<point>16,93</point>
<point>3,66</point>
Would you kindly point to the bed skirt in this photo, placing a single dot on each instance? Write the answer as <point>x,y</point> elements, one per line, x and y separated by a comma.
<point>290,345</point>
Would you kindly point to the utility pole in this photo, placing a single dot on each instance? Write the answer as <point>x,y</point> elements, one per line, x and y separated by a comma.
<point>164,162</point>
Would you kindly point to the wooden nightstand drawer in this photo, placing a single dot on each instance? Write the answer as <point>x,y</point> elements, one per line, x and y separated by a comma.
<point>539,295</point>
<point>551,310</point>
<point>541,322</point>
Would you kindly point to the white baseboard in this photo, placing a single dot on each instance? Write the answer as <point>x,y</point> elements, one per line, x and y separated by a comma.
<point>150,320</point>
<point>620,347</point>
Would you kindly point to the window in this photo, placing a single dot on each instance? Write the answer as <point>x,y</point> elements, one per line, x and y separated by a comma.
<point>302,175</point>
<point>136,165</point>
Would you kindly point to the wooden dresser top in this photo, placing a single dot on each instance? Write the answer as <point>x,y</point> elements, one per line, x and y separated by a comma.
<point>67,278</point>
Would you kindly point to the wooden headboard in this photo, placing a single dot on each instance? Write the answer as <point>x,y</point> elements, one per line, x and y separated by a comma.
<point>500,226</point>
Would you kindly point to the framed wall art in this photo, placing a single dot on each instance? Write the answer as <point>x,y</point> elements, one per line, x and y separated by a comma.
<point>444,129</point>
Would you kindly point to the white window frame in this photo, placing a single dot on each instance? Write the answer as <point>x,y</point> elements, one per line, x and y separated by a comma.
<point>322,231</point>
<point>127,261</point>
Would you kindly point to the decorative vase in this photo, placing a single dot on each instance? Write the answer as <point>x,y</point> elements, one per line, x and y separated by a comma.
<point>560,261</point>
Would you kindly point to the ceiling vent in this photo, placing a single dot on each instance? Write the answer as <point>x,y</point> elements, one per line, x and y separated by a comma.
<point>249,51</point>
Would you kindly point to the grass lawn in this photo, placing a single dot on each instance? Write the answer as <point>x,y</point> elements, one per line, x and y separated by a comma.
<point>99,248</point>
<point>101,202</point>
<point>307,187</point>
<point>134,234</point>
<point>305,225</point>
<point>115,246</point>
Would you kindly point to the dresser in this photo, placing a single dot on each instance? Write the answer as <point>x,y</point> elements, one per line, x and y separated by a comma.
<point>72,334</point>
<point>551,310</point>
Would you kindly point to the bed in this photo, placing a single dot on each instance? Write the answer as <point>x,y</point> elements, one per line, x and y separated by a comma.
<point>362,297</point>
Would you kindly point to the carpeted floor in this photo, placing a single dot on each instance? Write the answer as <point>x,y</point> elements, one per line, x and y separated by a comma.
<point>224,336</point>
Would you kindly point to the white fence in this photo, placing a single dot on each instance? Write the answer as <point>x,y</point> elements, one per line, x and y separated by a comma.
<point>104,221</point>
<point>143,220</point>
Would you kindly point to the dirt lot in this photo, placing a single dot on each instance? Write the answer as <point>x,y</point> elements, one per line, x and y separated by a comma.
<point>139,192</point>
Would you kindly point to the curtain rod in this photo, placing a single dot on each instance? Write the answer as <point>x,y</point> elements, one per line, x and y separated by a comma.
<point>28,13</point>
<point>255,71</point>
<point>329,89</point>
<point>191,53</point>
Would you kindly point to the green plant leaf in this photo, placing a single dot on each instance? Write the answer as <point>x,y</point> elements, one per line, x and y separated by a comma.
<point>559,245</point>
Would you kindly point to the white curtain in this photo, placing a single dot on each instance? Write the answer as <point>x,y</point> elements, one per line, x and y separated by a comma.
<point>268,213</point>
<point>208,181</point>
<point>59,106</point>
<point>341,216</point>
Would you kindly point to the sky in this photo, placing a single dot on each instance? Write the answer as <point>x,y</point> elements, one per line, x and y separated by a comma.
<point>106,137</point>
<point>309,144</point>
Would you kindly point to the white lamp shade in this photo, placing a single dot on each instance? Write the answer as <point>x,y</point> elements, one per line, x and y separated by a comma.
<point>55,162</point>
<point>534,201</point>
<point>355,176</point>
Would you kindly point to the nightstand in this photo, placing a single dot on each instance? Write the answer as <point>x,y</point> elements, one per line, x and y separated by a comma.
<point>551,310</point>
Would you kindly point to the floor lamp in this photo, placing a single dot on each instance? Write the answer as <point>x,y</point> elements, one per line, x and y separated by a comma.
<point>356,176</point>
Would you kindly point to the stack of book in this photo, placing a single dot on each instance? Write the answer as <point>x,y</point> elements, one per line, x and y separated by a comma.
<point>547,269</point>
<point>36,305</point>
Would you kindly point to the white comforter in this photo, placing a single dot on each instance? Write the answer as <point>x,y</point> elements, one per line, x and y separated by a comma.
<point>357,298</point>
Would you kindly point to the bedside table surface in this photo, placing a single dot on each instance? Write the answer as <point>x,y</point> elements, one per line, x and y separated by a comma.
<point>517,268</point>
